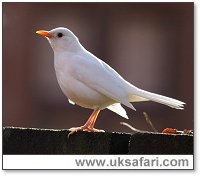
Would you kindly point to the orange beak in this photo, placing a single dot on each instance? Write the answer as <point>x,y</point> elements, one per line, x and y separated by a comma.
<point>44,33</point>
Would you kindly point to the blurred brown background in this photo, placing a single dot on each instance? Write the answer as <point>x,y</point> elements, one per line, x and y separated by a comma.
<point>149,44</point>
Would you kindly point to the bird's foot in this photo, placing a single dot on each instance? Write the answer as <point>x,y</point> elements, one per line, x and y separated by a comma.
<point>83,128</point>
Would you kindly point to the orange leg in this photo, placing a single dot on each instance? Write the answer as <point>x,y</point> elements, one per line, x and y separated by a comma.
<point>89,125</point>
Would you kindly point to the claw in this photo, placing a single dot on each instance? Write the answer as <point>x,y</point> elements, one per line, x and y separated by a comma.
<point>89,125</point>
<point>83,128</point>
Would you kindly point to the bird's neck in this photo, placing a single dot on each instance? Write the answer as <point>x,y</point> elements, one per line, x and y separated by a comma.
<point>71,47</point>
<point>75,46</point>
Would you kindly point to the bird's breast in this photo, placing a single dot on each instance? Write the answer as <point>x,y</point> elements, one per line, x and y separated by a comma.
<point>76,90</point>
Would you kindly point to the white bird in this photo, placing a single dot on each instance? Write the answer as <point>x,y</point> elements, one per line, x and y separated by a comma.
<point>91,83</point>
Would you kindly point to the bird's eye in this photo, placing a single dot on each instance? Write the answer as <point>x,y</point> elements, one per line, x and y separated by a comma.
<point>59,35</point>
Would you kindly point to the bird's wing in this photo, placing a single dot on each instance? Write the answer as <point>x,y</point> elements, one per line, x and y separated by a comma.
<point>117,108</point>
<point>99,76</point>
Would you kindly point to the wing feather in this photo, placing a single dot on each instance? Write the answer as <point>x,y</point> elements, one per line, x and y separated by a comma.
<point>99,76</point>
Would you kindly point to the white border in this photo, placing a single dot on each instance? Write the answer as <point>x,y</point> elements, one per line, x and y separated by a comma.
<point>197,110</point>
<point>109,162</point>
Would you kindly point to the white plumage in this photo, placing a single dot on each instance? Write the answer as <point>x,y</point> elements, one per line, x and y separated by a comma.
<point>91,83</point>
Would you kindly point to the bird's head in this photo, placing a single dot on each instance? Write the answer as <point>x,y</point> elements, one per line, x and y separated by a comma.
<point>60,39</point>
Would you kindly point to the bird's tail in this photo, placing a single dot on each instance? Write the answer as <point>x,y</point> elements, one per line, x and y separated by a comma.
<point>141,95</point>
